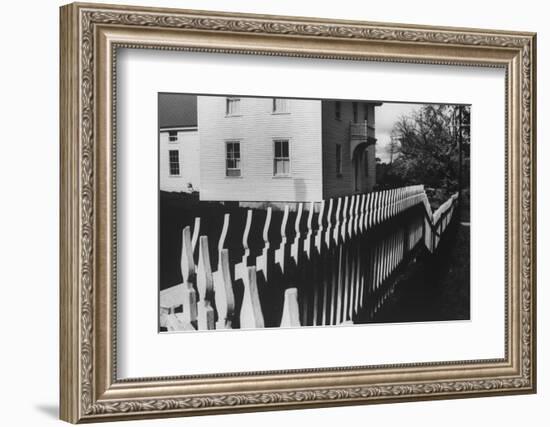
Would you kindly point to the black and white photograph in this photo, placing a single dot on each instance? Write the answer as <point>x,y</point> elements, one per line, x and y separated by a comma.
<point>281,212</point>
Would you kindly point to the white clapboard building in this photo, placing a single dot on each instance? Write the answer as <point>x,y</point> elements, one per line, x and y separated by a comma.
<point>179,153</point>
<point>268,149</point>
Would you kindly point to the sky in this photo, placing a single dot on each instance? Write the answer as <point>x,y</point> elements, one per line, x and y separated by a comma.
<point>386,116</point>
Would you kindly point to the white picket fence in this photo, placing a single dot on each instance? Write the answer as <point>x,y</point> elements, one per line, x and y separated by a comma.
<point>331,262</point>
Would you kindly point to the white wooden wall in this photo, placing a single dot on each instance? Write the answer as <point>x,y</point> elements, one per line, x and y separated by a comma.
<point>256,127</point>
<point>188,146</point>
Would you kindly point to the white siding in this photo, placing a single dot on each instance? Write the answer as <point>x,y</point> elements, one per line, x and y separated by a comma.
<point>256,127</point>
<point>189,156</point>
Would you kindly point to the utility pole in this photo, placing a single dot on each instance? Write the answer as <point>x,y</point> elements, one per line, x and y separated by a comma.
<point>392,147</point>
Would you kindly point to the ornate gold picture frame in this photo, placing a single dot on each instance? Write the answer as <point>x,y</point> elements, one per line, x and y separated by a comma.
<point>90,36</point>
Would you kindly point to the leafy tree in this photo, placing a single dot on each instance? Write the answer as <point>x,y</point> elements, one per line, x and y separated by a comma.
<point>428,148</point>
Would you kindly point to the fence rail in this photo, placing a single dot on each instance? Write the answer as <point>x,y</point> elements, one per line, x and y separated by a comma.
<point>320,264</point>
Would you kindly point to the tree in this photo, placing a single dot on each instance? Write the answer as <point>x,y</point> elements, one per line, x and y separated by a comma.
<point>428,149</point>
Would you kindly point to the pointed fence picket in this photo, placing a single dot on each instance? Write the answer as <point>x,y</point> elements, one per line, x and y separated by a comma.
<point>321,264</point>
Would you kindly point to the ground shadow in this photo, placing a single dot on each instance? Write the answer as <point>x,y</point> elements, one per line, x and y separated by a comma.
<point>50,410</point>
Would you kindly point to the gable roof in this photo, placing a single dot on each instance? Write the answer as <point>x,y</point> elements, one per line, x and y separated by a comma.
<point>177,110</point>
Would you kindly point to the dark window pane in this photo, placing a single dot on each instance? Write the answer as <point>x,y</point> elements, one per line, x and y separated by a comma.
<point>233,162</point>
<point>281,161</point>
<point>174,160</point>
<point>233,150</point>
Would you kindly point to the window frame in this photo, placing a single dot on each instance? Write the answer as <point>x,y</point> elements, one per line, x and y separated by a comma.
<point>226,158</point>
<point>275,158</point>
<point>173,134</point>
<point>227,102</point>
<point>176,163</point>
<point>274,109</point>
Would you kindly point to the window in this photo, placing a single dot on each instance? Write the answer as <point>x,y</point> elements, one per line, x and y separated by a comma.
<point>337,110</point>
<point>172,135</point>
<point>339,159</point>
<point>355,112</point>
<point>366,162</point>
<point>232,106</point>
<point>281,159</point>
<point>174,159</point>
<point>280,105</point>
<point>232,158</point>
<point>366,109</point>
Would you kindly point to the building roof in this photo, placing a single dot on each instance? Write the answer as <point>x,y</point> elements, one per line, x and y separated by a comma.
<point>177,110</point>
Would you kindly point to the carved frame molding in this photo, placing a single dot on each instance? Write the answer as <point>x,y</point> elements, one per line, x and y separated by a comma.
<point>90,35</point>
